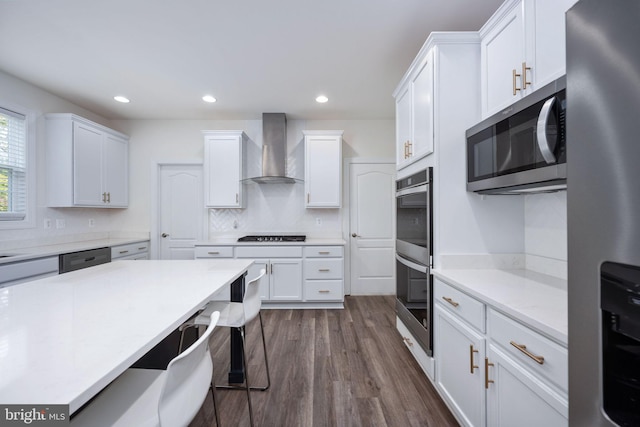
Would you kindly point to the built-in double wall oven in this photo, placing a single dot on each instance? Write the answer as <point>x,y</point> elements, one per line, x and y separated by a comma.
<point>414,255</point>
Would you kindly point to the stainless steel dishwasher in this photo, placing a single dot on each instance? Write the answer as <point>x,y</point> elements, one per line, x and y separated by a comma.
<point>82,259</point>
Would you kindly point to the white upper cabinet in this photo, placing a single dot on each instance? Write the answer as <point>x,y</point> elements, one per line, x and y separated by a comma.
<point>86,163</point>
<point>414,112</point>
<point>223,168</point>
<point>323,168</point>
<point>522,49</point>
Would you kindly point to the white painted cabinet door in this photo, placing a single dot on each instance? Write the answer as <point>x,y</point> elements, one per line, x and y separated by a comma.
<point>323,170</point>
<point>403,127</point>
<point>546,44</point>
<point>87,166</point>
<point>115,153</point>
<point>502,54</point>
<point>515,397</point>
<point>223,170</point>
<point>285,280</point>
<point>422,111</point>
<point>459,355</point>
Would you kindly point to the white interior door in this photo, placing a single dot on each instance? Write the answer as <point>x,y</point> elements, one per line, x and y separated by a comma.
<point>181,210</point>
<point>372,228</point>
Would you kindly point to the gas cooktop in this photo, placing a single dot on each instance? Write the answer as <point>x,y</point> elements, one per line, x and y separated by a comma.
<point>272,239</point>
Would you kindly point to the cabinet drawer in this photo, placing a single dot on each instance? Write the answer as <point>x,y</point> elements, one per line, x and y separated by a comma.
<point>323,251</point>
<point>503,331</point>
<point>25,269</point>
<point>128,250</point>
<point>323,269</point>
<point>269,251</point>
<point>214,251</point>
<point>468,308</point>
<point>323,290</point>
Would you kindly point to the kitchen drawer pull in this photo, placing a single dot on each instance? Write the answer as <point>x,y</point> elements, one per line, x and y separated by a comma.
<point>523,348</point>
<point>214,253</point>
<point>450,301</point>
<point>408,341</point>
<point>124,252</point>
<point>323,270</point>
<point>323,291</point>
<point>324,253</point>
<point>142,248</point>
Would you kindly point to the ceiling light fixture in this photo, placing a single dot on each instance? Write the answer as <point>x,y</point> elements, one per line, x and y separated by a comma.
<point>122,99</point>
<point>322,99</point>
<point>208,98</point>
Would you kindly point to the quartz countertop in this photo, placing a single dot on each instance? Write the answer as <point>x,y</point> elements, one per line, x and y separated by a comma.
<point>233,241</point>
<point>24,254</point>
<point>535,299</point>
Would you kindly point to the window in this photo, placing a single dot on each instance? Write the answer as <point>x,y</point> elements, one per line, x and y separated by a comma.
<point>13,166</point>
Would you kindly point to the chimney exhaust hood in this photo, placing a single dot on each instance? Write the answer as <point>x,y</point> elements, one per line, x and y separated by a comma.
<point>274,151</point>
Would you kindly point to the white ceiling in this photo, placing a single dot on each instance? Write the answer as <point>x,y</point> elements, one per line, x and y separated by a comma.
<point>254,56</point>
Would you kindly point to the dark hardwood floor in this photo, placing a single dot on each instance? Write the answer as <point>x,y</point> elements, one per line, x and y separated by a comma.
<point>329,368</point>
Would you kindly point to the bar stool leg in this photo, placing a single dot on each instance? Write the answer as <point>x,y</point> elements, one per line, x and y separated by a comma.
<point>246,374</point>
<point>266,359</point>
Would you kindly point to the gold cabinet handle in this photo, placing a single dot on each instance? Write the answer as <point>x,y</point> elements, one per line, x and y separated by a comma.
<point>109,197</point>
<point>408,341</point>
<point>405,149</point>
<point>323,252</point>
<point>323,291</point>
<point>486,373</point>
<point>104,197</point>
<point>142,248</point>
<point>523,348</point>
<point>410,148</point>
<point>237,197</point>
<point>524,75</point>
<point>213,253</point>
<point>515,88</point>
<point>450,301</point>
<point>471,365</point>
<point>308,198</point>
<point>124,252</point>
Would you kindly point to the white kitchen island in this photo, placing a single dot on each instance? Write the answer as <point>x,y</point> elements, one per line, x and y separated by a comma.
<point>64,338</point>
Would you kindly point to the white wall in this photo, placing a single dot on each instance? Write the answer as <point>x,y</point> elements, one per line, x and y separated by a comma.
<point>271,208</point>
<point>15,93</point>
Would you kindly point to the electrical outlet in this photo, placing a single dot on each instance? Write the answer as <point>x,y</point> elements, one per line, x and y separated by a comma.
<point>92,222</point>
<point>60,223</point>
<point>318,222</point>
<point>47,223</point>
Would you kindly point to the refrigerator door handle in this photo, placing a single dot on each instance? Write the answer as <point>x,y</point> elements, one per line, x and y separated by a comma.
<point>541,131</point>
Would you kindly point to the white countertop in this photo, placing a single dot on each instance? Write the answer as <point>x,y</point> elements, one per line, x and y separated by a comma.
<point>64,338</point>
<point>535,299</point>
<point>23,254</point>
<point>233,241</point>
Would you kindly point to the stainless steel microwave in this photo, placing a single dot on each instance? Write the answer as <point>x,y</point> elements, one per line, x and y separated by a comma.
<point>521,149</point>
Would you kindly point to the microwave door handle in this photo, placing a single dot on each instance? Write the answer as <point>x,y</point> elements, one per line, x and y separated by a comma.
<point>412,265</point>
<point>541,131</point>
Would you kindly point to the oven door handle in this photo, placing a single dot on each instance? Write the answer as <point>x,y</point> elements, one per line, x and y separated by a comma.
<point>413,265</point>
<point>413,190</point>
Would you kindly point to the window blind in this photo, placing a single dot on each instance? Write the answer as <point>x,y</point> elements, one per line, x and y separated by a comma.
<point>13,165</point>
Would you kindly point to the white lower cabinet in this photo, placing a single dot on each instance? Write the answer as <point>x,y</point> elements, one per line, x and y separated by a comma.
<point>138,250</point>
<point>459,367</point>
<point>25,271</point>
<point>510,375</point>
<point>323,273</point>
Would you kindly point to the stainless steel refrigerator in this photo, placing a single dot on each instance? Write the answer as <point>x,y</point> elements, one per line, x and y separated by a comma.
<point>603,198</point>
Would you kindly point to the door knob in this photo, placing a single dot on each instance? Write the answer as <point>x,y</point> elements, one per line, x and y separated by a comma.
<point>354,235</point>
<point>165,235</point>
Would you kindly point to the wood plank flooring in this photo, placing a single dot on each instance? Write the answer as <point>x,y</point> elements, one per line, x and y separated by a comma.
<point>329,368</point>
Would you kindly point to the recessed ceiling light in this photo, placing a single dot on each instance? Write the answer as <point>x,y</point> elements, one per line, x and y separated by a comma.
<point>208,98</point>
<point>322,99</point>
<point>122,99</point>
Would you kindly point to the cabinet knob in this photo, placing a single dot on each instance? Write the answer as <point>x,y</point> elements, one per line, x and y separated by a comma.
<point>164,235</point>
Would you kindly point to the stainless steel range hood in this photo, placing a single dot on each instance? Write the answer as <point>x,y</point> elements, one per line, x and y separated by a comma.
<point>274,150</point>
